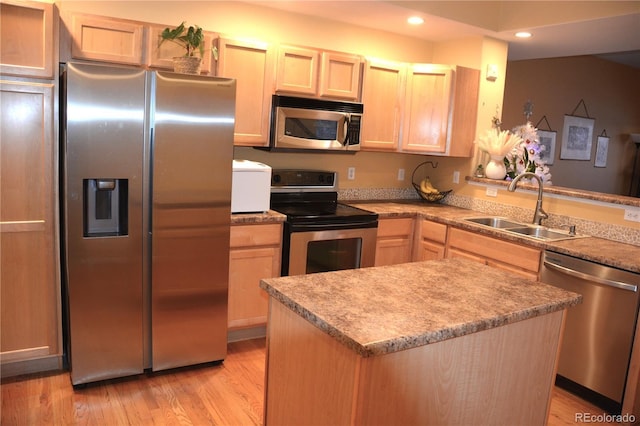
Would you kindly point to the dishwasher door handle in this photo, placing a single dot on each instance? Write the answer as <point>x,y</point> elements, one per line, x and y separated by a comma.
<point>592,278</point>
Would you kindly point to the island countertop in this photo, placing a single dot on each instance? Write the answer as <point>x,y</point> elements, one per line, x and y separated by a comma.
<point>380,310</point>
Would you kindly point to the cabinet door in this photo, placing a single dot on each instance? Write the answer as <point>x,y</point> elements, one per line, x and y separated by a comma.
<point>30,323</point>
<point>26,39</point>
<point>106,39</point>
<point>465,112</point>
<point>427,108</point>
<point>255,254</point>
<point>512,256</point>
<point>431,240</point>
<point>252,65</point>
<point>297,70</point>
<point>383,94</point>
<point>161,55</point>
<point>394,242</point>
<point>340,75</point>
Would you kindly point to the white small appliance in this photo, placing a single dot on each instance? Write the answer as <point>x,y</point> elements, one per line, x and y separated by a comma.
<point>251,187</point>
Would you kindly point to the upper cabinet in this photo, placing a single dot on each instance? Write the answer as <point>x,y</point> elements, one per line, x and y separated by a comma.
<point>27,39</point>
<point>252,65</point>
<point>313,72</point>
<point>427,108</point>
<point>122,41</point>
<point>419,108</point>
<point>383,97</point>
<point>99,38</point>
<point>161,55</point>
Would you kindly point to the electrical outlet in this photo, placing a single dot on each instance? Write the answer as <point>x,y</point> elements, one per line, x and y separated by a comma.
<point>632,214</point>
<point>351,173</point>
<point>456,177</point>
<point>400,174</point>
<point>492,192</point>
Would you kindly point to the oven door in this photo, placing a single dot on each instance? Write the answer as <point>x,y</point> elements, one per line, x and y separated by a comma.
<point>331,250</point>
<point>312,129</point>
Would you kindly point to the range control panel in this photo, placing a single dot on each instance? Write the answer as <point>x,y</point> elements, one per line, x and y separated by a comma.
<point>313,180</point>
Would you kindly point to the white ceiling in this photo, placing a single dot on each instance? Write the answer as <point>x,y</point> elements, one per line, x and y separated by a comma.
<point>560,28</point>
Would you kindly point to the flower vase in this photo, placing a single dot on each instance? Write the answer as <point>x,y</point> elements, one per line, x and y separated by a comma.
<point>495,168</point>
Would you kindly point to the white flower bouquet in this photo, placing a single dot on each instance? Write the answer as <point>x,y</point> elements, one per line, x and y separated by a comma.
<point>498,143</point>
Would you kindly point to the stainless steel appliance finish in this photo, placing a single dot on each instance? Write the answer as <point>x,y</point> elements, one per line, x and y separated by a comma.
<point>148,287</point>
<point>320,234</point>
<point>599,333</point>
<point>315,124</point>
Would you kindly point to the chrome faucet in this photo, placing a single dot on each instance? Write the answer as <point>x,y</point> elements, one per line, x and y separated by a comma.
<point>539,213</point>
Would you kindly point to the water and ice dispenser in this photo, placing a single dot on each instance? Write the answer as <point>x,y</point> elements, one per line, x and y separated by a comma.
<point>105,207</point>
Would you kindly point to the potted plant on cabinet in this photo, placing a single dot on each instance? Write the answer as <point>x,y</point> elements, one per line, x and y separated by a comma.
<point>192,40</point>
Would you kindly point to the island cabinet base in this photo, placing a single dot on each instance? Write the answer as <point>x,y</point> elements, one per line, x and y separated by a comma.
<point>500,376</point>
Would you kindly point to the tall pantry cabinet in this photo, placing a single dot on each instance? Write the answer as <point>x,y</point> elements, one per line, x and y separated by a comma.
<point>31,338</point>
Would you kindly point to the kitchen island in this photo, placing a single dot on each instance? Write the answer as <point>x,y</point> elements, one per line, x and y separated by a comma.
<point>438,342</point>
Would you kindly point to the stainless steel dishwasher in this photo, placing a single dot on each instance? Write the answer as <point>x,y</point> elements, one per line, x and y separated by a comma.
<point>599,333</point>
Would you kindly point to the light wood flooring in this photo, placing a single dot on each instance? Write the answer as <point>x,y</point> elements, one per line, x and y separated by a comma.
<point>227,394</point>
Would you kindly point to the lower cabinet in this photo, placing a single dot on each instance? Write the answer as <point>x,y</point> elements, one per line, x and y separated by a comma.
<point>430,244</point>
<point>395,241</point>
<point>494,252</point>
<point>255,254</point>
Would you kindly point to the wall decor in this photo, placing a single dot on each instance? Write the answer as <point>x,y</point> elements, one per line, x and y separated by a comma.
<point>602,147</point>
<point>548,140</point>
<point>577,135</point>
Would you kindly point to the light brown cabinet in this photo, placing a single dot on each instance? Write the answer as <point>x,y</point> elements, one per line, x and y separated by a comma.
<point>383,94</point>
<point>255,254</point>
<point>252,64</point>
<point>27,39</point>
<point>394,242</point>
<point>427,108</point>
<point>161,55</point>
<point>31,322</point>
<point>501,254</point>
<point>431,240</point>
<point>312,72</point>
<point>419,108</point>
<point>105,39</point>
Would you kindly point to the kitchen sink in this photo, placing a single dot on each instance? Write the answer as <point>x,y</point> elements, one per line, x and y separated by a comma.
<point>494,222</point>
<point>531,231</point>
<point>541,233</point>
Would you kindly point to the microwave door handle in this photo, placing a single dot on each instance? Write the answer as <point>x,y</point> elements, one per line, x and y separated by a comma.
<point>345,142</point>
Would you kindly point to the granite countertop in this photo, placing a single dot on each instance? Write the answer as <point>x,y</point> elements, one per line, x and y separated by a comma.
<point>600,250</point>
<point>385,309</point>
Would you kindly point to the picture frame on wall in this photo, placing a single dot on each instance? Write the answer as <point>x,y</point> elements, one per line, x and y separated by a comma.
<point>548,140</point>
<point>602,148</point>
<point>577,136</point>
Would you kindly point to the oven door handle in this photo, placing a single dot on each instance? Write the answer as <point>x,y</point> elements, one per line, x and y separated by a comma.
<point>331,227</point>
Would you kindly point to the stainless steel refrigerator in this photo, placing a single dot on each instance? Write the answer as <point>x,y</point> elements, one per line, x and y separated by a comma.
<point>146,193</point>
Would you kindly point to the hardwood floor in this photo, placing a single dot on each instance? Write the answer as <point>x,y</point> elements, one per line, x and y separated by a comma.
<point>226,394</point>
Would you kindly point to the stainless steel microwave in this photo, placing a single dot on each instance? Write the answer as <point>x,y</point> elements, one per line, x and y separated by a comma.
<point>314,124</point>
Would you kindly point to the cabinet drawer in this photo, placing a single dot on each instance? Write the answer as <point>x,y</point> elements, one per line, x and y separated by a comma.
<point>256,235</point>
<point>492,248</point>
<point>395,227</point>
<point>434,231</point>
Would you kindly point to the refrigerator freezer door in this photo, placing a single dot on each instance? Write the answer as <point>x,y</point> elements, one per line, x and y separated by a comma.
<point>191,207</point>
<point>104,110</point>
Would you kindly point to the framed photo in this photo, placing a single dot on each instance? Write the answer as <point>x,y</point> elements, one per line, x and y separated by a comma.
<point>548,140</point>
<point>602,147</point>
<point>577,135</point>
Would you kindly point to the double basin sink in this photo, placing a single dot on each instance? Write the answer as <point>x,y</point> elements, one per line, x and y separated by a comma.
<point>537,232</point>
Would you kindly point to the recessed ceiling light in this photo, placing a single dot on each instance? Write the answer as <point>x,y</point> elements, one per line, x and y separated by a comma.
<point>415,20</point>
<point>523,34</point>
